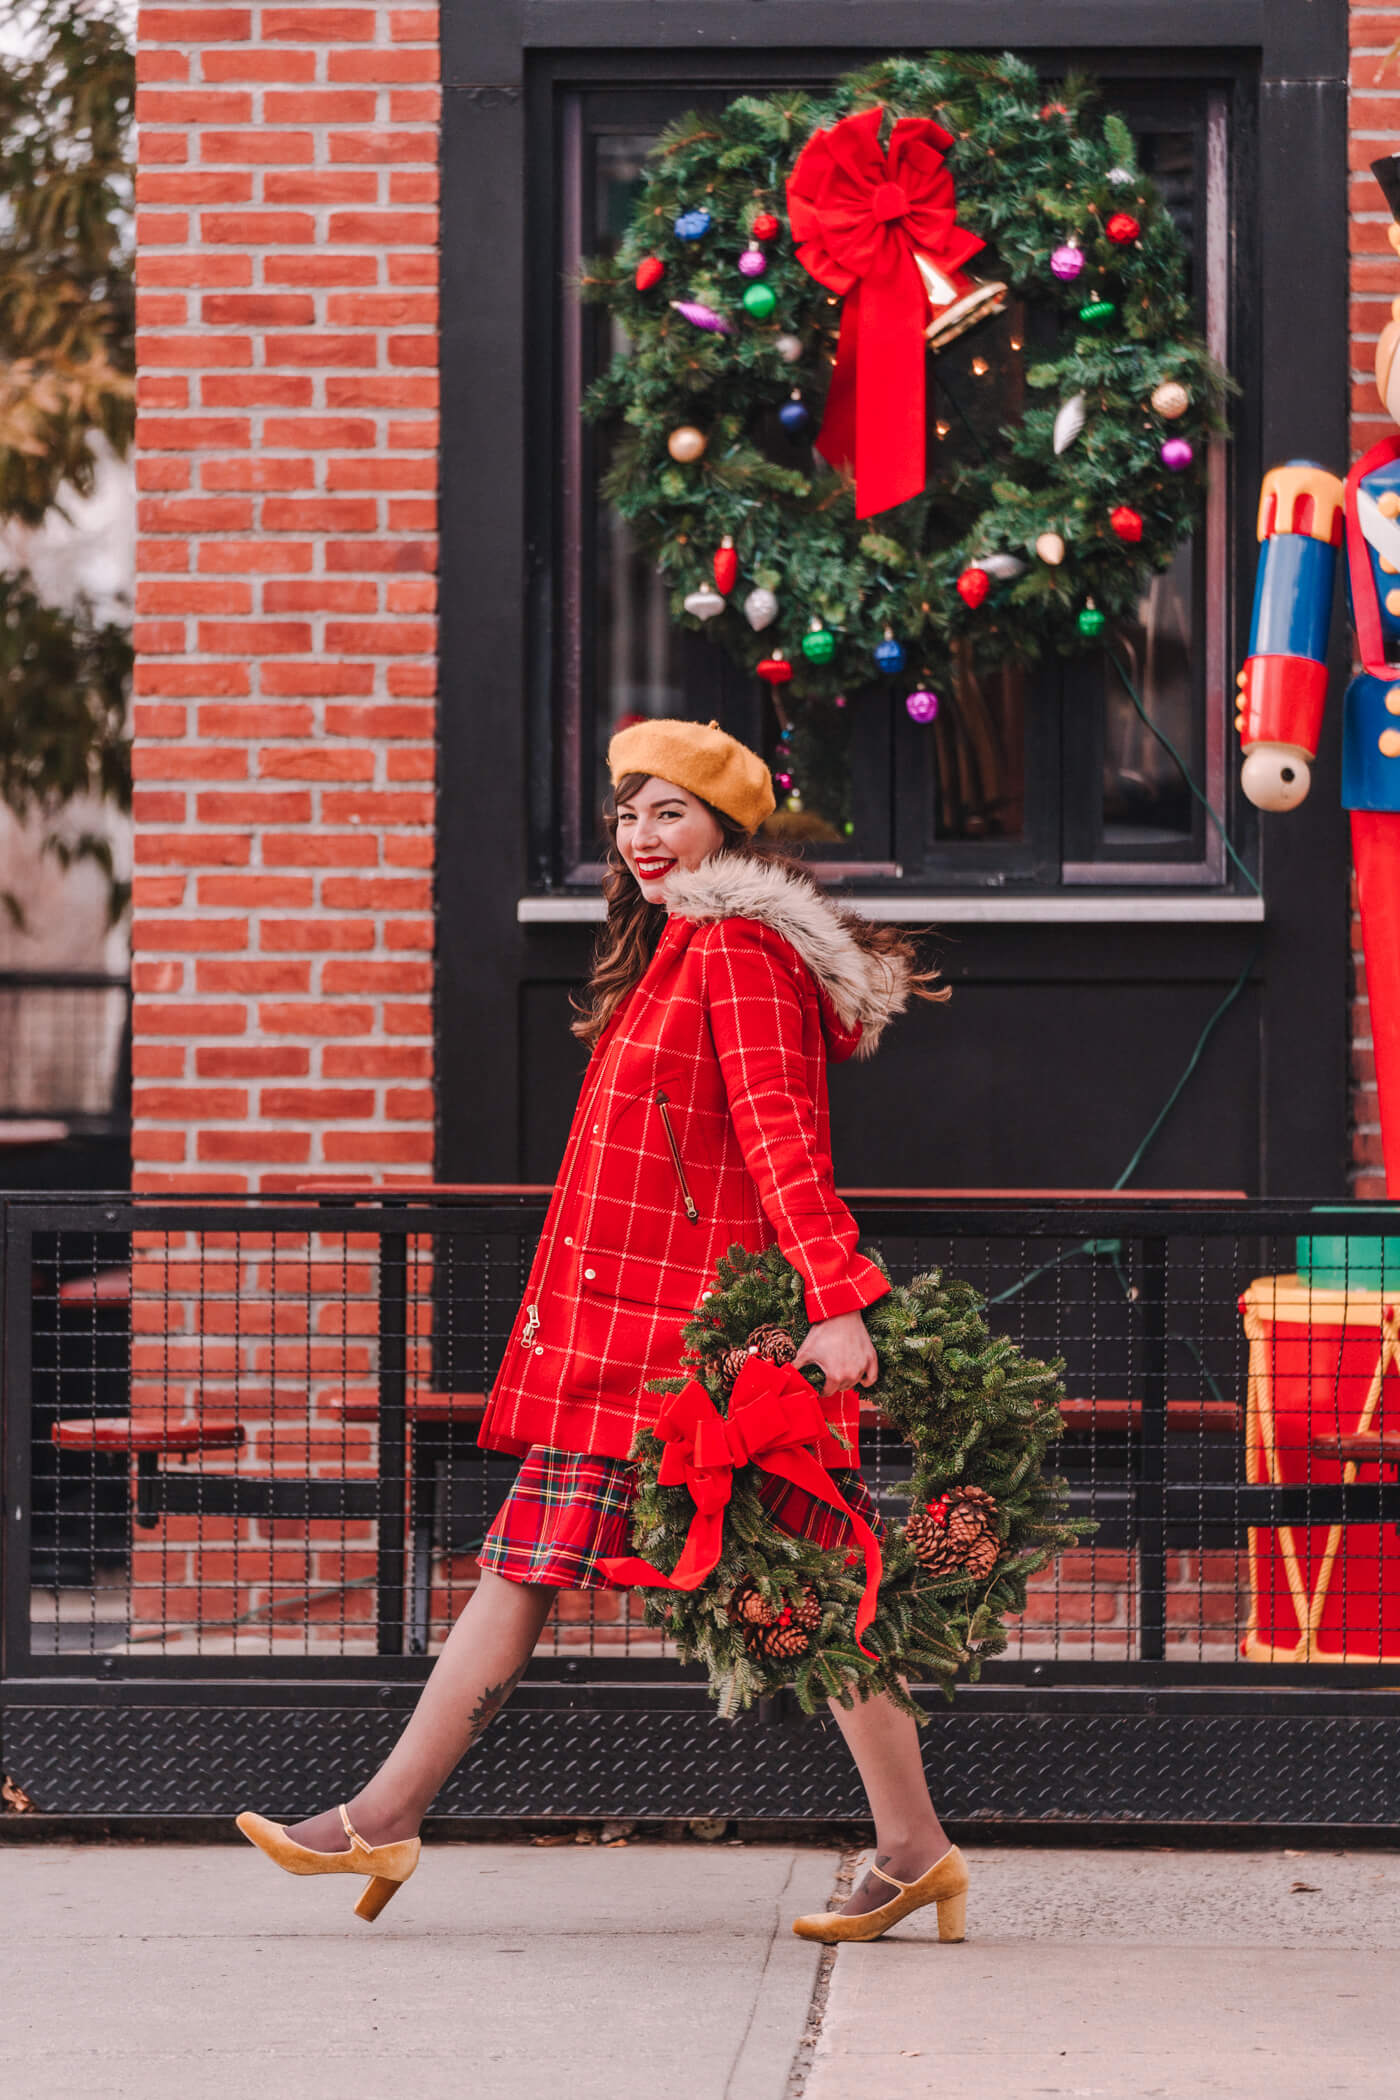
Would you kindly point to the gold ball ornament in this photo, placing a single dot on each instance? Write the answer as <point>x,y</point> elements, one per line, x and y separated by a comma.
<point>1051,549</point>
<point>686,443</point>
<point>1170,399</point>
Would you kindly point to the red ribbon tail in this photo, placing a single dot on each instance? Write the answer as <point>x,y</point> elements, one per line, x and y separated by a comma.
<point>807,1472</point>
<point>890,389</point>
<point>699,1556</point>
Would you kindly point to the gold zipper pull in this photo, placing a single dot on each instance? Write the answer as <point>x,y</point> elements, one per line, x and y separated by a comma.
<point>686,1198</point>
<point>532,1325</point>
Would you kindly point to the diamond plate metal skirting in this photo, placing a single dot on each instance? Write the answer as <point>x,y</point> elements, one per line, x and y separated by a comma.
<point>987,1763</point>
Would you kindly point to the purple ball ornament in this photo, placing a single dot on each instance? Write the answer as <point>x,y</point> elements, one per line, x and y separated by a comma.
<point>1067,262</point>
<point>1177,454</point>
<point>921,706</point>
<point>702,316</point>
<point>753,262</point>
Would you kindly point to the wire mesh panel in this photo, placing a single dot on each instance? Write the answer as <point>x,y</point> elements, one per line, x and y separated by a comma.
<point>242,1441</point>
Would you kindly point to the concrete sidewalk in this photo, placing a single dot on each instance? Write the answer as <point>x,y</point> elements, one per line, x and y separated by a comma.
<point>1152,1975</point>
<point>502,1972</point>
<point>514,1972</point>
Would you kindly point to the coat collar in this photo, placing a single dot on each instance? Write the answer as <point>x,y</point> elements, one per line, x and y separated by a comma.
<point>864,989</point>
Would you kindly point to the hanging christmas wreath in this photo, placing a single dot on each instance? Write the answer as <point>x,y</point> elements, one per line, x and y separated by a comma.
<point>911,389</point>
<point>763,1609</point>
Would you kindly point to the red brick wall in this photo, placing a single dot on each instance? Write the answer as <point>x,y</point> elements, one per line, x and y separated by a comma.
<point>287,472</point>
<point>1375,281</point>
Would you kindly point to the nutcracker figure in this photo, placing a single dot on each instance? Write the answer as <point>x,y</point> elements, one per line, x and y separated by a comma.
<point>1305,516</point>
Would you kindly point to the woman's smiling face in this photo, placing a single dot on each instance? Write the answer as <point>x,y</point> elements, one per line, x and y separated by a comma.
<point>661,827</point>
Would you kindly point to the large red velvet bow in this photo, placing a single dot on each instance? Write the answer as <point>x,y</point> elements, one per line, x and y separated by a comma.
<point>860,215</point>
<point>774,1416</point>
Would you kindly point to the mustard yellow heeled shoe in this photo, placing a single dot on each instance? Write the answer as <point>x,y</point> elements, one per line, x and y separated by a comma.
<point>387,1866</point>
<point>945,1884</point>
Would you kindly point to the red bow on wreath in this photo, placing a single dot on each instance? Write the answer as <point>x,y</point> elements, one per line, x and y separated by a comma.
<point>863,218</point>
<point>774,1415</point>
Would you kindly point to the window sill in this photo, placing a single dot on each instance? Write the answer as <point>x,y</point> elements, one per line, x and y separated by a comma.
<point>897,907</point>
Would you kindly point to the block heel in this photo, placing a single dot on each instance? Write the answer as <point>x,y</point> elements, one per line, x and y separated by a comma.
<point>952,1917</point>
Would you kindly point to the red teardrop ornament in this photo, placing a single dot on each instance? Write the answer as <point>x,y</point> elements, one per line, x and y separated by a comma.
<point>650,271</point>
<point>765,225</point>
<point>1122,227</point>
<point>1126,523</point>
<point>775,670</point>
<point>726,567</point>
<point>973,586</point>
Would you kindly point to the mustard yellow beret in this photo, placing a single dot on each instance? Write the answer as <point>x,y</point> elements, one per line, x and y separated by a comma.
<point>702,758</point>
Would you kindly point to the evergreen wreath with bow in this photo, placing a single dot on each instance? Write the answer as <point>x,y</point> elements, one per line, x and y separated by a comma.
<point>770,1609</point>
<point>1002,501</point>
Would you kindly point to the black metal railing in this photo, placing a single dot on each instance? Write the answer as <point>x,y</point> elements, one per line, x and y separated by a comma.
<point>243,1489</point>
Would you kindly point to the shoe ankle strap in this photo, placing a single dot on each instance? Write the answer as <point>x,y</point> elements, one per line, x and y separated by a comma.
<point>887,1877</point>
<point>357,1842</point>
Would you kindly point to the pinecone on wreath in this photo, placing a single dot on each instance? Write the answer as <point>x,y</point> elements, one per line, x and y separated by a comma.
<point>957,1534</point>
<point>774,1344</point>
<point>775,1633</point>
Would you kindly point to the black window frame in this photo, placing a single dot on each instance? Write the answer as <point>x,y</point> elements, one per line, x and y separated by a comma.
<point>1286,65</point>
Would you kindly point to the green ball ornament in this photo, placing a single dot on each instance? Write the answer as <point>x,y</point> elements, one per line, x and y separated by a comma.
<point>760,300</point>
<point>1091,621</point>
<point>1097,313</point>
<point>819,645</point>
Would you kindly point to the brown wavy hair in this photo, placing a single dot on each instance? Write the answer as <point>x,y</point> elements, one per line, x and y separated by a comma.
<point>633,927</point>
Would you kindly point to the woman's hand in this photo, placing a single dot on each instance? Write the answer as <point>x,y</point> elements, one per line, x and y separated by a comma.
<point>844,1352</point>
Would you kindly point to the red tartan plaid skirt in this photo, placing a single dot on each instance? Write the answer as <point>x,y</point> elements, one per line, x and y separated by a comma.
<point>569,1510</point>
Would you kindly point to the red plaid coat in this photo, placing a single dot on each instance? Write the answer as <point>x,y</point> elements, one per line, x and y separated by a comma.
<point>703,1121</point>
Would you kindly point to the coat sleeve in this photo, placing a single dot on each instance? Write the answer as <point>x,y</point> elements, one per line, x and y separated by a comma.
<point>755,993</point>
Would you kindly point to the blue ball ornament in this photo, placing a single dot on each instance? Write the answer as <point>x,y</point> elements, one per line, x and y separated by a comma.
<point>794,417</point>
<point>889,655</point>
<point>692,225</point>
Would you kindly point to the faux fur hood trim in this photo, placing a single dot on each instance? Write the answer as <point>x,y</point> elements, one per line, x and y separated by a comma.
<point>865,987</point>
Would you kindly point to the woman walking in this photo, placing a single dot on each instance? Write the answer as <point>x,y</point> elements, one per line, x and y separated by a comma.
<point>723,982</point>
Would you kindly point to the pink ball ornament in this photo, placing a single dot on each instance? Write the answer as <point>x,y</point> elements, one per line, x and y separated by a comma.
<point>783,780</point>
<point>922,706</point>
<point>1177,454</point>
<point>1067,262</point>
<point>752,263</point>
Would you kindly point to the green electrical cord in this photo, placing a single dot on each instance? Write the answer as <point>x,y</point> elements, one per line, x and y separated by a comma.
<point>1114,1247</point>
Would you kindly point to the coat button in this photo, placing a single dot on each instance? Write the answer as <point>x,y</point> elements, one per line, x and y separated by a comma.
<point>568,1239</point>
<point>1392,701</point>
<point>1390,743</point>
<point>539,1348</point>
<point>590,1274</point>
